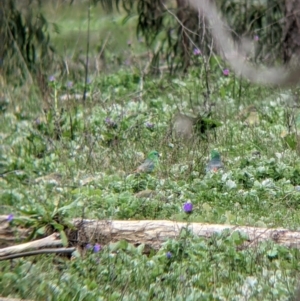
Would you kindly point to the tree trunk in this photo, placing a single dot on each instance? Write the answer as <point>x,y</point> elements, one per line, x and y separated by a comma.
<point>291,33</point>
<point>184,14</point>
<point>192,31</point>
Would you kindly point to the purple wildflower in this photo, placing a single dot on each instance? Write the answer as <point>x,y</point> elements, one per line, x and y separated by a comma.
<point>197,51</point>
<point>51,78</point>
<point>256,38</point>
<point>69,84</point>
<point>110,123</point>
<point>226,72</point>
<point>188,207</point>
<point>10,217</point>
<point>97,248</point>
<point>88,246</point>
<point>149,125</point>
<point>38,121</point>
<point>169,255</point>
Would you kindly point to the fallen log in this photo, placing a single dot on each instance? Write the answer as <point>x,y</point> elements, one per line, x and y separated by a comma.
<point>153,233</point>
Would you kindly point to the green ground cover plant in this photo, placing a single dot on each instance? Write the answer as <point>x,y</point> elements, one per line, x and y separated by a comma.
<point>75,158</point>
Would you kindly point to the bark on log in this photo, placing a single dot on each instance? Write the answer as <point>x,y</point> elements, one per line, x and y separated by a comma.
<point>153,233</point>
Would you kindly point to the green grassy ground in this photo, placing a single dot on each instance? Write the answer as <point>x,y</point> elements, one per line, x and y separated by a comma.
<point>73,161</point>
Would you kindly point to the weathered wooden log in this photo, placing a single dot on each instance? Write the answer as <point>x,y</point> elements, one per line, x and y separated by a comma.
<point>153,233</point>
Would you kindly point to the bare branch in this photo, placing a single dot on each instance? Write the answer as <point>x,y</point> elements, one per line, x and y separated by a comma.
<point>37,252</point>
<point>49,241</point>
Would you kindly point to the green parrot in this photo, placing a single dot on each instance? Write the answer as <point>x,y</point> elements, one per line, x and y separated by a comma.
<point>149,164</point>
<point>215,162</point>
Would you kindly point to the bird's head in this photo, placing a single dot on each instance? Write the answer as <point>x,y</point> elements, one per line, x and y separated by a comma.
<point>153,155</point>
<point>215,155</point>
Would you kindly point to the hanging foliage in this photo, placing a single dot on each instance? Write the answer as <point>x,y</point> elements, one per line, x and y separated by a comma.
<point>261,21</point>
<point>173,31</point>
<point>25,47</point>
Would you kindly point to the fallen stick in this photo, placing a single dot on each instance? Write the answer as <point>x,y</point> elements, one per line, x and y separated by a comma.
<point>49,241</point>
<point>37,252</point>
<point>12,299</point>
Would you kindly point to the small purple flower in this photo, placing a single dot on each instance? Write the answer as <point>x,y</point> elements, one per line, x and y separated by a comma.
<point>226,72</point>
<point>97,248</point>
<point>69,84</point>
<point>188,207</point>
<point>256,38</point>
<point>10,217</point>
<point>110,123</point>
<point>149,125</point>
<point>127,62</point>
<point>38,121</point>
<point>88,246</point>
<point>197,51</point>
<point>51,78</point>
<point>169,255</point>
